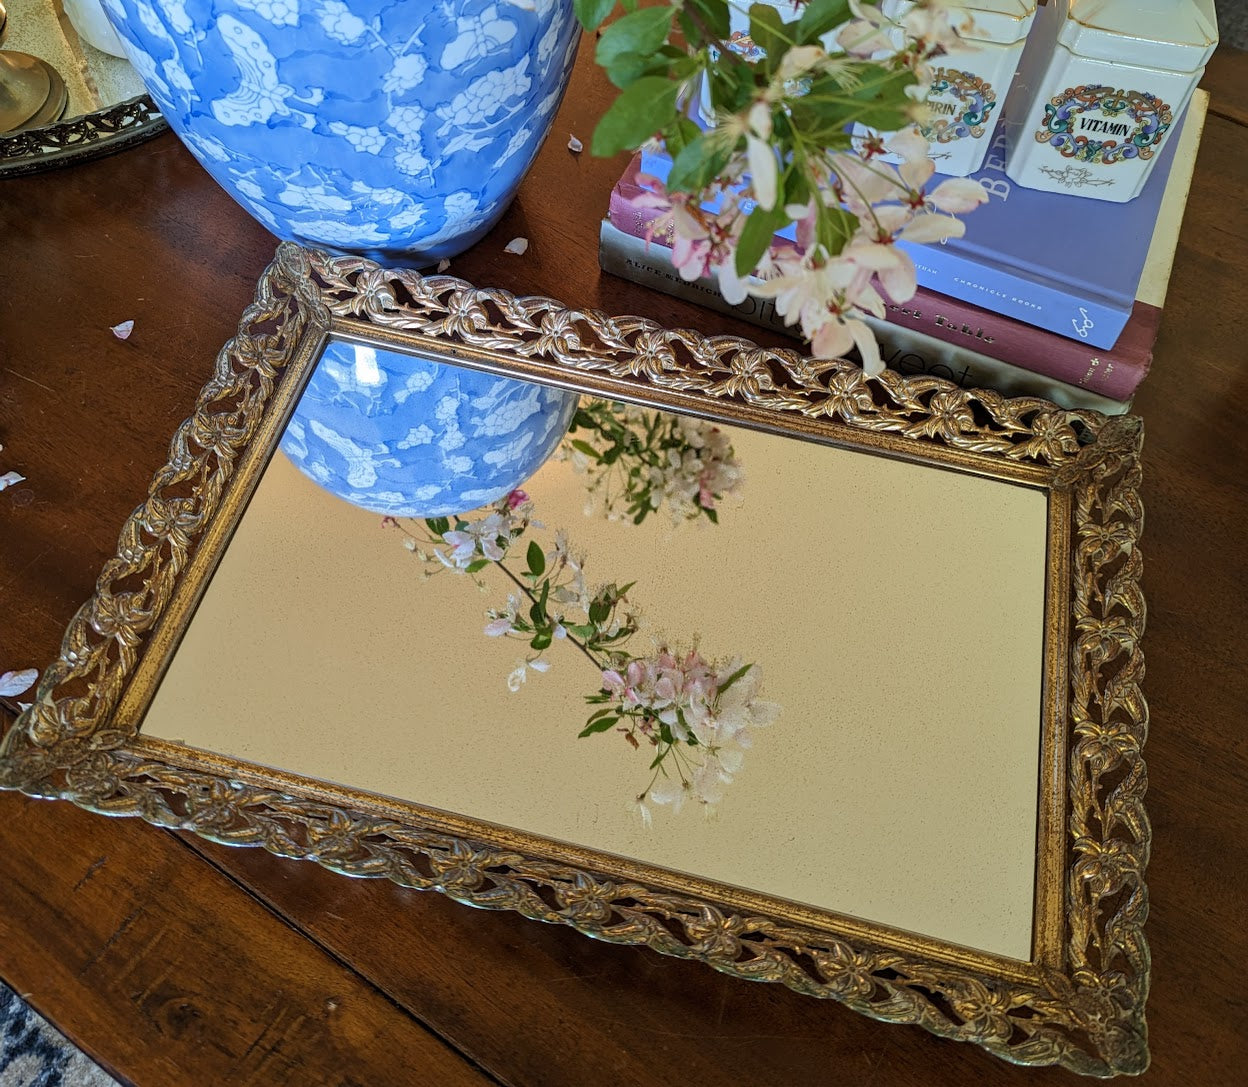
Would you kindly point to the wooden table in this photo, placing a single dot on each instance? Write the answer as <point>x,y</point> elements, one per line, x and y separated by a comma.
<point>173,961</point>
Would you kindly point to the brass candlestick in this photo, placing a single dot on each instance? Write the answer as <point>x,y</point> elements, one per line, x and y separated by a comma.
<point>32,92</point>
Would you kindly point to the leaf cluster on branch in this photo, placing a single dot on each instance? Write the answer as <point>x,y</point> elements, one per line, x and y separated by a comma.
<point>813,128</point>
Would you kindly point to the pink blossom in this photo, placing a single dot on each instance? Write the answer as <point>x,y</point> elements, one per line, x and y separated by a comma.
<point>691,257</point>
<point>894,268</point>
<point>958,195</point>
<point>917,166</point>
<point>938,26</point>
<point>865,34</point>
<point>837,336</point>
<point>866,183</point>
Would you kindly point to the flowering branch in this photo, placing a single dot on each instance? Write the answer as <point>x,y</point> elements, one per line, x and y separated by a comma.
<point>781,152</point>
<point>694,715</point>
<point>637,460</point>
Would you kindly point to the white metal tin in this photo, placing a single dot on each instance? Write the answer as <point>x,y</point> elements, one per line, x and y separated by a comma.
<point>969,85</point>
<point>1101,86</point>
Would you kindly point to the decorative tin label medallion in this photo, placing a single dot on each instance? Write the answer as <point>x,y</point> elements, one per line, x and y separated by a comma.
<point>960,104</point>
<point>1098,124</point>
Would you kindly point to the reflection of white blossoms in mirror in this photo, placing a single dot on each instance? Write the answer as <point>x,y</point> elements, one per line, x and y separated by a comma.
<point>694,717</point>
<point>638,462</point>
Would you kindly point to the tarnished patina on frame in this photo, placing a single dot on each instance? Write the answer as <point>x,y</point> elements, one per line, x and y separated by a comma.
<point>79,139</point>
<point>1079,1003</point>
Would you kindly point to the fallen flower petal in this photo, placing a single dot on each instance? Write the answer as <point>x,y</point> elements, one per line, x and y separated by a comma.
<point>575,145</point>
<point>12,683</point>
<point>443,265</point>
<point>123,330</point>
<point>518,246</point>
<point>11,479</point>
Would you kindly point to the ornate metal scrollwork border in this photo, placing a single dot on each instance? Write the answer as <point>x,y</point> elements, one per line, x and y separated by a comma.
<point>1083,1009</point>
<point>87,137</point>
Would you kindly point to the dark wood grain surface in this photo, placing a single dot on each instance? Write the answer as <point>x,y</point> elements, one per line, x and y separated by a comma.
<point>175,961</point>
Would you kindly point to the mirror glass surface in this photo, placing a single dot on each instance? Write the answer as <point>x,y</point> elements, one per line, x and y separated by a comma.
<point>894,609</point>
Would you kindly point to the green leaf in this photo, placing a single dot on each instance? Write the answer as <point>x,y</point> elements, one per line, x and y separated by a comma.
<point>537,615</point>
<point>602,713</point>
<point>769,33</point>
<point>757,235</point>
<point>878,100</point>
<point>603,724</point>
<point>697,165</point>
<point>585,448</point>
<point>733,86</point>
<point>438,525</point>
<point>734,677</point>
<point>714,13</point>
<point>641,33</point>
<point>711,515</point>
<point>834,227</point>
<point>536,558</point>
<point>627,68</point>
<point>665,734</point>
<point>476,565</point>
<point>592,12</point>
<point>818,18</point>
<point>644,108</point>
<point>579,630</point>
<point>541,640</point>
<point>678,135</point>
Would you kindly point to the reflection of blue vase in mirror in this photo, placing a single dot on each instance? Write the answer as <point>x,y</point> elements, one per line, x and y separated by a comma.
<point>399,129</point>
<point>409,437</point>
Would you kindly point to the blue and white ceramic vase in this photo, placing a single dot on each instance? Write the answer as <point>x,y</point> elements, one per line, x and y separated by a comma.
<point>397,129</point>
<point>410,437</point>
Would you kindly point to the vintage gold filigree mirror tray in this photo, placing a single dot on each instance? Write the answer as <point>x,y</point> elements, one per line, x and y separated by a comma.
<point>821,679</point>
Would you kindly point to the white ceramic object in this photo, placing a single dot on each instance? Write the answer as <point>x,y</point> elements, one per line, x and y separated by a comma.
<point>88,18</point>
<point>969,86</point>
<point>1101,85</point>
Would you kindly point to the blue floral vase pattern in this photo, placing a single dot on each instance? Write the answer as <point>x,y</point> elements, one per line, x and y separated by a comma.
<point>398,129</point>
<point>410,437</point>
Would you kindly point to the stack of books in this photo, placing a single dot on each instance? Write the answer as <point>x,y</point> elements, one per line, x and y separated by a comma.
<point>1046,294</point>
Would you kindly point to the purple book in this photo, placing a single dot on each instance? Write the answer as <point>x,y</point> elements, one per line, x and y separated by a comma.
<point>1063,263</point>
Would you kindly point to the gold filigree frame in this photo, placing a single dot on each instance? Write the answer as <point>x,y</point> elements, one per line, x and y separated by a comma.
<point>1079,1001</point>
